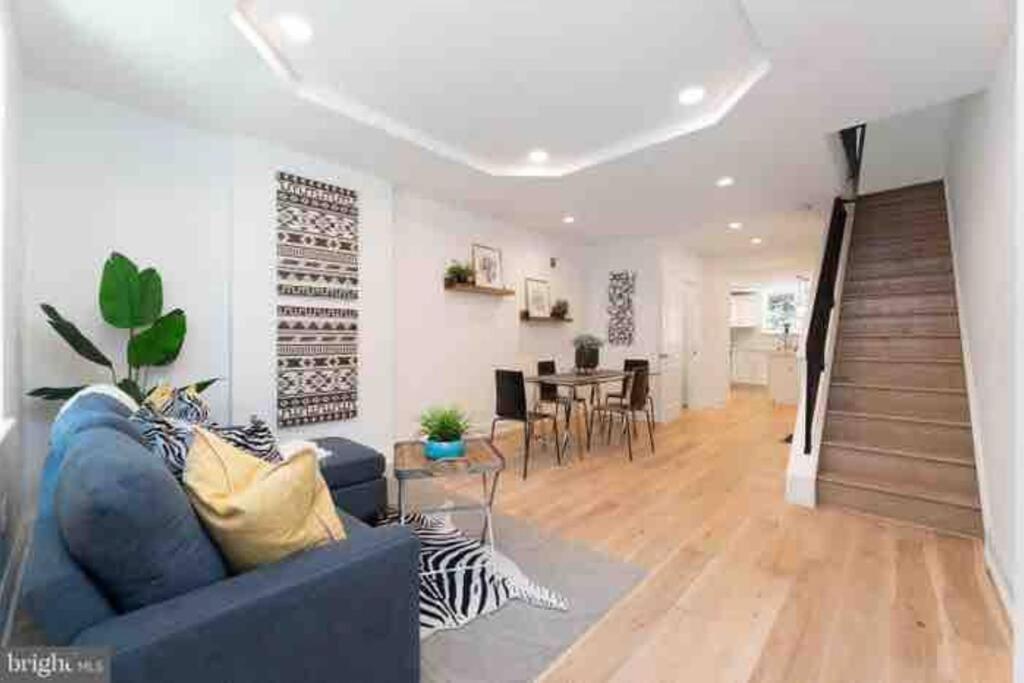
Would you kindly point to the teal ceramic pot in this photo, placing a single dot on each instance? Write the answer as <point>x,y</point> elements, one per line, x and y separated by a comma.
<point>445,450</point>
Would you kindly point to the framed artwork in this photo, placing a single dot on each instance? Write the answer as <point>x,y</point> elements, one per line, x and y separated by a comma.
<point>621,290</point>
<point>487,267</point>
<point>538,298</point>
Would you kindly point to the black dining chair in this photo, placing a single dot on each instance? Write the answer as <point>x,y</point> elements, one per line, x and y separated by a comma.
<point>549,394</point>
<point>636,391</point>
<point>628,365</point>
<point>510,406</point>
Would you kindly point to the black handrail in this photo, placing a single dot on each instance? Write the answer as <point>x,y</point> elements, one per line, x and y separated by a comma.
<point>852,140</point>
<point>824,299</point>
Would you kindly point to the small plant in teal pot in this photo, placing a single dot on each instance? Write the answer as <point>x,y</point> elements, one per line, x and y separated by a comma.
<point>443,428</point>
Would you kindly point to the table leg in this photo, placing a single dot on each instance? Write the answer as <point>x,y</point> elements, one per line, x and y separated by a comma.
<point>401,501</point>
<point>487,503</point>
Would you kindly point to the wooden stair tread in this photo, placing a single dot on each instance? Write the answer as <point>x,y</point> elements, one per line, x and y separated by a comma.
<point>890,276</point>
<point>898,335</point>
<point>923,291</point>
<point>898,453</point>
<point>915,361</point>
<point>954,424</point>
<point>903,490</point>
<point>899,387</point>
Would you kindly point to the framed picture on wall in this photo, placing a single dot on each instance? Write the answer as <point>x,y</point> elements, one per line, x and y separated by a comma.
<point>538,298</point>
<point>487,267</point>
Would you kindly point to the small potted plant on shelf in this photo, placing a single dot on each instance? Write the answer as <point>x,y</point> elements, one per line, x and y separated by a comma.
<point>458,274</point>
<point>560,309</point>
<point>443,428</point>
<point>587,352</point>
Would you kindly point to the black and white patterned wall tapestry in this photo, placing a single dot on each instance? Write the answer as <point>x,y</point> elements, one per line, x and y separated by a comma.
<point>317,267</point>
<point>621,288</point>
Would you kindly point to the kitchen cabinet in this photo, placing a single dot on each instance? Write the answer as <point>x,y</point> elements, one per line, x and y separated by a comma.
<point>783,382</point>
<point>749,366</point>
<point>745,309</point>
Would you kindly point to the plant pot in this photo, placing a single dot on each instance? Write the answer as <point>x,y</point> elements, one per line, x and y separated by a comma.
<point>445,450</point>
<point>587,357</point>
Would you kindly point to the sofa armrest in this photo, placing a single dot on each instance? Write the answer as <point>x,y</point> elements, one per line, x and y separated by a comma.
<point>344,612</point>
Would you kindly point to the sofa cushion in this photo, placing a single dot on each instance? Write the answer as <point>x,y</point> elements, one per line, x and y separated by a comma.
<point>127,522</point>
<point>88,409</point>
<point>349,462</point>
<point>259,512</point>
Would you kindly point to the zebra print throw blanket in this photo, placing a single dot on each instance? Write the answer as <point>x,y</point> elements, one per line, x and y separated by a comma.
<point>475,581</point>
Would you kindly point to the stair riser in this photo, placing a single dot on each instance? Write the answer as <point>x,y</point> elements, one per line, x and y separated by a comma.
<point>939,440</point>
<point>899,305</point>
<point>935,515</point>
<point>928,375</point>
<point>904,250</point>
<point>913,284</point>
<point>903,403</point>
<point>936,477</point>
<point>911,324</point>
<point>897,268</point>
<point>946,348</point>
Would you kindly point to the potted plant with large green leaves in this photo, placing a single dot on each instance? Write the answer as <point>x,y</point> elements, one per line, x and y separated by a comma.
<point>132,300</point>
<point>588,352</point>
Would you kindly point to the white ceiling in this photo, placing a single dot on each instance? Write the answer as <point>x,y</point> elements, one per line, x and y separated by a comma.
<point>435,92</point>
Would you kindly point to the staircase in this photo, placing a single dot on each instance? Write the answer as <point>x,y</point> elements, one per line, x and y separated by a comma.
<point>897,438</point>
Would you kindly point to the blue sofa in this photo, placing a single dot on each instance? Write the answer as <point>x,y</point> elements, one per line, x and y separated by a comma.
<point>343,612</point>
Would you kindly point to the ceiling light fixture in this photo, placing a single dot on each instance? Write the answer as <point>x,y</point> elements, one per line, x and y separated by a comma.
<point>756,240</point>
<point>295,28</point>
<point>692,95</point>
<point>569,219</point>
<point>725,181</point>
<point>539,156</point>
<point>735,225</point>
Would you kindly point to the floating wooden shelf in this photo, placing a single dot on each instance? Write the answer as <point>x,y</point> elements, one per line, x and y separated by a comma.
<point>525,317</point>
<point>473,289</point>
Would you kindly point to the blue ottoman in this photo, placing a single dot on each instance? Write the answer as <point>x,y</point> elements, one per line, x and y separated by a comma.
<point>355,475</point>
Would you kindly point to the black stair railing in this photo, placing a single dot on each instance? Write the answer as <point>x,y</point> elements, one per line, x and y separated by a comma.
<point>852,141</point>
<point>824,300</point>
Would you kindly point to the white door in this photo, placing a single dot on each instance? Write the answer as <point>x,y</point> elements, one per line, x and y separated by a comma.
<point>691,342</point>
<point>671,353</point>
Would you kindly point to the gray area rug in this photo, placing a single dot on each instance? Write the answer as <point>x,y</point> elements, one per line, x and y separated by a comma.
<point>518,642</point>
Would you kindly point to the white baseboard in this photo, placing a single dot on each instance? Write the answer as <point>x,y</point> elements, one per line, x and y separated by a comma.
<point>1001,584</point>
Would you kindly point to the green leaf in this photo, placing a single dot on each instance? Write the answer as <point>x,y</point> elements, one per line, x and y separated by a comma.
<point>151,297</point>
<point>55,393</point>
<point>130,387</point>
<point>161,343</point>
<point>120,292</point>
<point>202,386</point>
<point>75,339</point>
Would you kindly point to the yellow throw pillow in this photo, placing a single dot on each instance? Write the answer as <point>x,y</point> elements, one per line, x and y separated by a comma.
<point>259,512</point>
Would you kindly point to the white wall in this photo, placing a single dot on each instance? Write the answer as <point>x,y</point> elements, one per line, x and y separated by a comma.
<point>449,343</point>
<point>906,149</point>
<point>981,200</point>
<point>14,493</point>
<point>254,300</point>
<point>99,177</point>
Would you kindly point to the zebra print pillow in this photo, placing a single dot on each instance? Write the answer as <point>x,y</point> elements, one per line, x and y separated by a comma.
<point>169,418</point>
<point>462,579</point>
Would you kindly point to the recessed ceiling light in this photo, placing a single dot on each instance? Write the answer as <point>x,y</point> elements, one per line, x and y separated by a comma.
<point>295,28</point>
<point>539,156</point>
<point>725,181</point>
<point>756,240</point>
<point>691,95</point>
<point>568,219</point>
<point>735,225</point>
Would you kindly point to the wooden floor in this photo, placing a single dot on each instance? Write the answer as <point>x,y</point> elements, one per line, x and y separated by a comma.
<point>743,586</point>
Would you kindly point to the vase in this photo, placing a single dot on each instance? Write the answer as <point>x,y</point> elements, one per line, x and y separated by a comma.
<point>445,450</point>
<point>587,357</point>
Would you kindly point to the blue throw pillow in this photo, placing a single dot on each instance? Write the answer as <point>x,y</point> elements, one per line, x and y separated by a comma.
<point>129,524</point>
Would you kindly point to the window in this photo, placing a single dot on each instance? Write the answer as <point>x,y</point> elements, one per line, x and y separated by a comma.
<point>780,315</point>
<point>785,307</point>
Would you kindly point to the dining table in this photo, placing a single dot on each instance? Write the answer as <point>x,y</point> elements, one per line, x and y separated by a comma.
<point>575,380</point>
